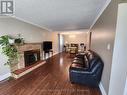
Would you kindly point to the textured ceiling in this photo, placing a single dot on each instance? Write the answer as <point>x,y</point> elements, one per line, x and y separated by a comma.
<point>59,15</point>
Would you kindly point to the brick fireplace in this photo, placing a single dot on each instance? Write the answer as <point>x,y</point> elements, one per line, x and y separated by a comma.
<point>29,54</point>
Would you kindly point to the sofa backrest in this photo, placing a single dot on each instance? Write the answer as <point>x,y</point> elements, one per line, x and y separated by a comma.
<point>93,59</point>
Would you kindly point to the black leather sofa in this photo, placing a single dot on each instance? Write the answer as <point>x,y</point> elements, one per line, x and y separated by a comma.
<point>86,69</point>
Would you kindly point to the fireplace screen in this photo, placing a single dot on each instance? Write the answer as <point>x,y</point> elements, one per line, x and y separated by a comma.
<point>31,57</point>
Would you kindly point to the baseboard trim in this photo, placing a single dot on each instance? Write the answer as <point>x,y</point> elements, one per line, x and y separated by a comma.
<point>3,77</point>
<point>102,89</point>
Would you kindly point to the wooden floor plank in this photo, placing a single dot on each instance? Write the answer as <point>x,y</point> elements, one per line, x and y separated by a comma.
<point>52,78</point>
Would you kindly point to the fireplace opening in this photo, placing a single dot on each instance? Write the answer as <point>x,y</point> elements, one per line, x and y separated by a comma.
<point>31,57</point>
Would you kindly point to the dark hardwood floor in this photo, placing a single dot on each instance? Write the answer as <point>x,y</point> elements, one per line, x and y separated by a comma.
<point>49,79</point>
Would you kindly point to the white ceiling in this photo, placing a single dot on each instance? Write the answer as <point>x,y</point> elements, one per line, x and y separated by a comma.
<point>74,32</point>
<point>59,15</point>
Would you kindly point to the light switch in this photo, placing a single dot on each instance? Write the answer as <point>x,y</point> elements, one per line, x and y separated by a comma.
<point>108,47</point>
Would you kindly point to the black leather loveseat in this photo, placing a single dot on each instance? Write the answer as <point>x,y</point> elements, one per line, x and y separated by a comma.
<point>86,69</point>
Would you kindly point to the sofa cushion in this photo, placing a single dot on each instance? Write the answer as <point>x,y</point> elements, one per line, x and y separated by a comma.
<point>78,67</point>
<point>79,56</point>
<point>76,58</point>
<point>78,62</point>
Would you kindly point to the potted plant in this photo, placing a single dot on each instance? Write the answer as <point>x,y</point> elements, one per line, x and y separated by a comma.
<point>19,40</point>
<point>9,49</point>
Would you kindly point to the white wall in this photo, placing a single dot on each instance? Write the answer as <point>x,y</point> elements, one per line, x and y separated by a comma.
<point>103,36</point>
<point>119,63</point>
<point>76,38</point>
<point>53,36</point>
<point>4,69</point>
<point>30,33</point>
